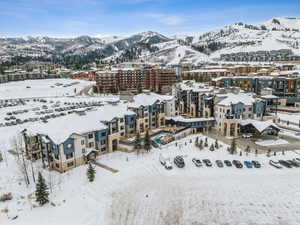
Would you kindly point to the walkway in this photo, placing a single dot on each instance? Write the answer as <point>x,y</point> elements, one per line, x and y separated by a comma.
<point>104,167</point>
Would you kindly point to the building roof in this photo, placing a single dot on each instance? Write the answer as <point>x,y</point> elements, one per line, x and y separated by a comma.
<point>189,120</point>
<point>59,129</point>
<point>148,98</point>
<point>258,124</point>
<point>245,98</point>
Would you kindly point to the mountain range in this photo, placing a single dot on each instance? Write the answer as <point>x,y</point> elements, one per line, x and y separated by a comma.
<point>273,34</point>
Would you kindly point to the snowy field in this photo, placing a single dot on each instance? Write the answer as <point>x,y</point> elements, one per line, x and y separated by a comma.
<point>42,88</point>
<point>144,193</point>
<point>272,142</point>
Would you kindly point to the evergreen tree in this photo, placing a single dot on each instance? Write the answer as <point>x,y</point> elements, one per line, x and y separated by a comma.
<point>201,144</point>
<point>147,142</point>
<point>212,147</point>
<point>233,147</point>
<point>41,192</point>
<point>216,144</point>
<point>137,141</point>
<point>91,172</point>
<point>247,150</point>
<point>205,143</point>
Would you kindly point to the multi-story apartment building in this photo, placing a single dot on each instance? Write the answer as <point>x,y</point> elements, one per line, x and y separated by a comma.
<point>66,142</point>
<point>231,109</point>
<point>204,75</point>
<point>282,86</point>
<point>18,75</point>
<point>135,80</point>
<point>195,99</point>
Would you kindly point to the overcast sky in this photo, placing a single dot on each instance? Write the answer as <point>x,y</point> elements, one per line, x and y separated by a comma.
<point>68,18</point>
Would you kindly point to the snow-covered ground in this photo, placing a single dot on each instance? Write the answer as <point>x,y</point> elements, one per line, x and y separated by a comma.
<point>42,88</point>
<point>144,193</point>
<point>272,142</point>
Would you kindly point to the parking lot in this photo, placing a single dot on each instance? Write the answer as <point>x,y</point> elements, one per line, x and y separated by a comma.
<point>202,194</point>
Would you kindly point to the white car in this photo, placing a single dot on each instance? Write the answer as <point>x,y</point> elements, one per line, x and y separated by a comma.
<point>165,161</point>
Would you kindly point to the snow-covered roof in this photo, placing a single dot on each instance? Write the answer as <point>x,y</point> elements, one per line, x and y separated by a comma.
<point>245,98</point>
<point>189,120</point>
<point>207,71</point>
<point>59,129</point>
<point>149,99</point>
<point>270,96</point>
<point>258,124</point>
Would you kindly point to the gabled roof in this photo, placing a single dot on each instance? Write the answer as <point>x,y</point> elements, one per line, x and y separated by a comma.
<point>260,126</point>
<point>246,99</point>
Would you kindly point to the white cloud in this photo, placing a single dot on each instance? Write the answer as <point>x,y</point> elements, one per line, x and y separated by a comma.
<point>167,19</point>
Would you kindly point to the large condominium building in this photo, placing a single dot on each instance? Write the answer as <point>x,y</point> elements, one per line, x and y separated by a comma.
<point>66,142</point>
<point>282,86</point>
<point>195,99</point>
<point>231,109</point>
<point>135,80</point>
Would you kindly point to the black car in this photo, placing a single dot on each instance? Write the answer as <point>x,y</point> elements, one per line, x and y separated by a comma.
<point>285,163</point>
<point>179,162</point>
<point>256,164</point>
<point>237,164</point>
<point>293,163</point>
<point>219,163</point>
<point>207,162</point>
<point>227,163</point>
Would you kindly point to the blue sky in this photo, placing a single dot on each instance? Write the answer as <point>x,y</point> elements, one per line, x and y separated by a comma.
<point>68,18</point>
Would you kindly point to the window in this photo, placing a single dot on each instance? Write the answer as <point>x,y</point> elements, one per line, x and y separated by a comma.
<point>103,142</point>
<point>69,155</point>
<point>83,150</point>
<point>103,149</point>
<point>91,135</point>
<point>70,164</point>
<point>82,142</point>
<point>56,165</point>
<point>91,144</point>
<point>56,157</point>
<point>121,120</point>
<point>122,127</point>
<point>103,134</point>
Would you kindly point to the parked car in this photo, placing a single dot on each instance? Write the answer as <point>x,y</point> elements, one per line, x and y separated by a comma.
<point>285,163</point>
<point>248,164</point>
<point>293,163</point>
<point>275,164</point>
<point>207,162</point>
<point>154,144</point>
<point>256,164</point>
<point>219,163</point>
<point>227,163</point>
<point>165,161</point>
<point>237,164</point>
<point>197,162</point>
<point>179,162</point>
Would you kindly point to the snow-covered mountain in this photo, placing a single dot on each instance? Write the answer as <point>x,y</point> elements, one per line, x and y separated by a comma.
<point>241,40</point>
<point>273,34</point>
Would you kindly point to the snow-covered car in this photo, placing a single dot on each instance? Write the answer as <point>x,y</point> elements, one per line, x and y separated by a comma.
<point>179,162</point>
<point>197,162</point>
<point>294,163</point>
<point>165,161</point>
<point>168,164</point>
